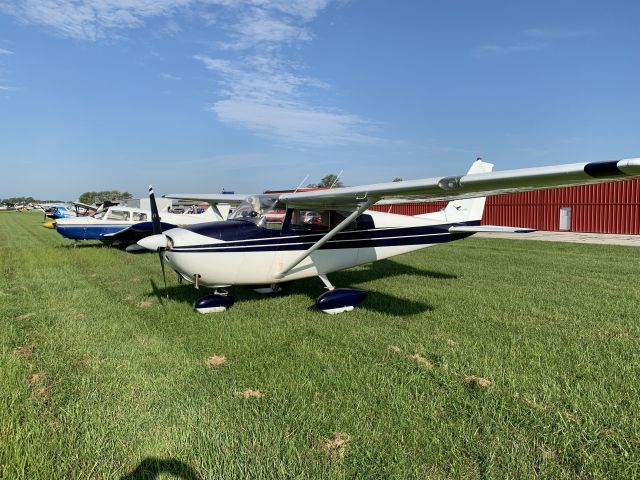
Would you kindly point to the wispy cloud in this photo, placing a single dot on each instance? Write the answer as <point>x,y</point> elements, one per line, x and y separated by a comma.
<point>90,19</point>
<point>260,89</point>
<point>490,49</point>
<point>538,39</point>
<point>168,76</point>
<point>6,52</point>
<point>263,92</point>
<point>293,123</point>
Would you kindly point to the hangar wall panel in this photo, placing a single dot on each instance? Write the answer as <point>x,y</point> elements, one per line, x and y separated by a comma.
<point>612,207</point>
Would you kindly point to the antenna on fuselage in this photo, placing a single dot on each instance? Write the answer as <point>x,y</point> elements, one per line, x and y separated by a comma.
<point>336,180</point>
<point>300,184</point>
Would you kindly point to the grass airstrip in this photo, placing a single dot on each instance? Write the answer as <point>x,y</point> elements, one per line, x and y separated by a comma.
<point>478,359</point>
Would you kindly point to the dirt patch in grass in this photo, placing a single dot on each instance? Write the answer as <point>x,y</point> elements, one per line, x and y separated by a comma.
<point>335,447</point>
<point>25,316</point>
<point>36,381</point>
<point>215,361</point>
<point>249,393</point>
<point>42,391</point>
<point>144,303</point>
<point>421,360</point>
<point>34,378</point>
<point>25,351</point>
<point>128,298</point>
<point>394,349</point>
<point>477,382</point>
<point>452,343</point>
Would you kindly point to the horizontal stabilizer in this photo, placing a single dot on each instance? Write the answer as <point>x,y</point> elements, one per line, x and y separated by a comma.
<point>489,229</point>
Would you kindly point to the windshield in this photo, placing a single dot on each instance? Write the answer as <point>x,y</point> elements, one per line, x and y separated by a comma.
<point>99,214</point>
<point>246,211</point>
<point>256,211</point>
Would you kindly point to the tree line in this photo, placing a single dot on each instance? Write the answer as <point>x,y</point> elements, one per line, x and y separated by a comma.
<point>101,197</point>
<point>21,200</point>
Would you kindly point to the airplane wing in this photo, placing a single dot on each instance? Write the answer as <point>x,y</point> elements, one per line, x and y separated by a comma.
<point>209,197</point>
<point>83,205</point>
<point>465,186</point>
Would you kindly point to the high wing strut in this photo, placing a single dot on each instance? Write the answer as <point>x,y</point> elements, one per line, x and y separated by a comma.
<point>336,230</point>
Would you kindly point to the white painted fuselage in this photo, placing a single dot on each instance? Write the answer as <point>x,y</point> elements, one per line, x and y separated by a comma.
<point>259,261</point>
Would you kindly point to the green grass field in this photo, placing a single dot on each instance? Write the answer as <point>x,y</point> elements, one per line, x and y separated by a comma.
<point>102,377</point>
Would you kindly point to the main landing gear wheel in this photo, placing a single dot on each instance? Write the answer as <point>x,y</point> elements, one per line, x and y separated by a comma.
<point>339,300</point>
<point>217,302</point>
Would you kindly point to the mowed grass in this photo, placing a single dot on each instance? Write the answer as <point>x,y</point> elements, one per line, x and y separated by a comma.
<point>103,377</point>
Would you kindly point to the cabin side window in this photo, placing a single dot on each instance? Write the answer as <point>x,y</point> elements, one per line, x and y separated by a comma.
<point>272,219</point>
<point>139,217</point>
<point>310,220</point>
<point>339,217</point>
<point>119,215</point>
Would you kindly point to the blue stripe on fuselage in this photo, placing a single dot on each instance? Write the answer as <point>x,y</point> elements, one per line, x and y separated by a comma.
<point>88,231</point>
<point>382,237</point>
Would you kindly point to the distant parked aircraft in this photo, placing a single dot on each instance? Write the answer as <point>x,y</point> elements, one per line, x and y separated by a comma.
<point>126,225</point>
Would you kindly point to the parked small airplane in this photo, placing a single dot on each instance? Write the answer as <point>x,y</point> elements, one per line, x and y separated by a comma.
<point>125,225</point>
<point>325,231</point>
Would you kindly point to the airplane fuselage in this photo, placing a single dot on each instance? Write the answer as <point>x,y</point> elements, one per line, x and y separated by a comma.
<point>239,252</point>
<point>117,218</point>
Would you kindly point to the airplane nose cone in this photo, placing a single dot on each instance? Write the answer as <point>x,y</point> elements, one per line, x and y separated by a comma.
<point>154,242</point>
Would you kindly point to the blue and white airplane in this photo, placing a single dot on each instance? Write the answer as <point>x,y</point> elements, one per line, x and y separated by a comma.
<point>59,211</point>
<point>126,225</point>
<point>246,250</point>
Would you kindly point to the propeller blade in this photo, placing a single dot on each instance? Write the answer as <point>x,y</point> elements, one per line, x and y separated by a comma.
<point>164,277</point>
<point>158,239</point>
<point>155,216</point>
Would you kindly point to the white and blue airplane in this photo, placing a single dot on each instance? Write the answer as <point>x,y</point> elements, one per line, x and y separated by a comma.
<point>126,225</point>
<point>342,232</point>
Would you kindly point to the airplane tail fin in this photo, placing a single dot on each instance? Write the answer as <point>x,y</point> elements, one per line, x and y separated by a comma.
<point>469,209</point>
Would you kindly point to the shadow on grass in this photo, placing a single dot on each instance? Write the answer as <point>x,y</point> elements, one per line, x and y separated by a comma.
<point>150,468</point>
<point>383,269</point>
<point>377,301</point>
<point>85,244</point>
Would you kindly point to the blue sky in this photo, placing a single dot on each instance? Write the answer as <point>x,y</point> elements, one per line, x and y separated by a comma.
<point>194,95</point>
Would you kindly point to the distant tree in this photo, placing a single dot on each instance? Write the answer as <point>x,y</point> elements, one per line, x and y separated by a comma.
<point>20,200</point>
<point>397,179</point>
<point>99,197</point>
<point>327,181</point>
